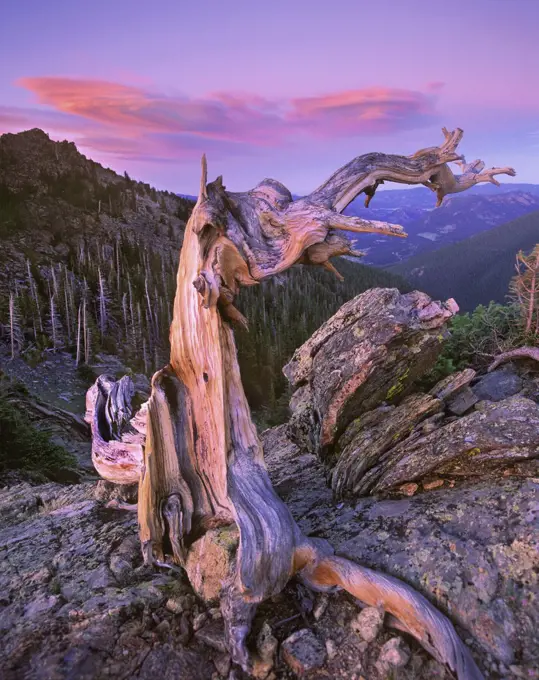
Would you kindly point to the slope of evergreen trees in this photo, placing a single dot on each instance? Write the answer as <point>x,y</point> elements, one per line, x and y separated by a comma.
<point>283,312</point>
<point>92,259</point>
<point>474,271</point>
<point>117,296</point>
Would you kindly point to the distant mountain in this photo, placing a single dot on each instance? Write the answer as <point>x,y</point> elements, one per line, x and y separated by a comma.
<point>429,228</point>
<point>476,270</point>
<point>52,197</point>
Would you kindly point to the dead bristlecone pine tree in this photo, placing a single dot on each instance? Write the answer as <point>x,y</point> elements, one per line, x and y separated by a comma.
<point>193,446</point>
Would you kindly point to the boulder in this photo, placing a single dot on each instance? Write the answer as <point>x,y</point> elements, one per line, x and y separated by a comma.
<point>498,385</point>
<point>370,351</point>
<point>208,575</point>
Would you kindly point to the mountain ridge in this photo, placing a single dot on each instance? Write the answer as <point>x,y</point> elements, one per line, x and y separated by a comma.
<point>429,228</point>
<point>475,270</point>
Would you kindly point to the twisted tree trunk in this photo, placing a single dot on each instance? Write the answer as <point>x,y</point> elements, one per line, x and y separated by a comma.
<point>203,464</point>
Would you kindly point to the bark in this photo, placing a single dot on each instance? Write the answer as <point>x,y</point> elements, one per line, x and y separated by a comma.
<point>203,464</point>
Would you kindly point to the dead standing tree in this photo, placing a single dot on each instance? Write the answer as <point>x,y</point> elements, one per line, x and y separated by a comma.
<point>203,463</point>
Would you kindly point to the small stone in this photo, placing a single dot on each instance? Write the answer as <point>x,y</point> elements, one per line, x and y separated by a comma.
<point>266,643</point>
<point>409,489</point>
<point>449,386</point>
<point>435,484</point>
<point>163,629</point>
<point>302,651</point>
<point>341,619</point>
<point>213,635</point>
<point>185,630</point>
<point>498,385</point>
<point>174,605</point>
<point>180,603</point>
<point>393,653</point>
<point>99,578</point>
<point>222,664</point>
<point>320,607</point>
<point>368,623</point>
<point>199,621</point>
<point>215,613</point>
<point>120,568</point>
<point>331,648</point>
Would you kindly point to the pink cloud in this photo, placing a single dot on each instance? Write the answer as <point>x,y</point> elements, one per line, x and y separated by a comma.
<point>132,122</point>
<point>435,86</point>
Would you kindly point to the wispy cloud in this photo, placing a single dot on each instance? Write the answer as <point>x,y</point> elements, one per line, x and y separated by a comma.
<point>133,122</point>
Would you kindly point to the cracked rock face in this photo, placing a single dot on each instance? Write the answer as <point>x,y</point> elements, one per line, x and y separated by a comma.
<point>473,550</point>
<point>75,600</point>
<point>371,350</point>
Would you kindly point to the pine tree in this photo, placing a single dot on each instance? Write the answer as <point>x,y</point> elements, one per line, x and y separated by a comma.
<point>15,331</point>
<point>524,289</point>
<point>55,327</point>
<point>79,321</point>
<point>103,300</point>
<point>35,298</point>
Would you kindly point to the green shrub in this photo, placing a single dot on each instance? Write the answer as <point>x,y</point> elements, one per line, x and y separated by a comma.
<point>86,374</point>
<point>476,338</point>
<point>23,447</point>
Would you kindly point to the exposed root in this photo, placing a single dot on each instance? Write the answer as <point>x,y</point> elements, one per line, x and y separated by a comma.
<point>520,353</point>
<point>414,612</point>
<point>118,505</point>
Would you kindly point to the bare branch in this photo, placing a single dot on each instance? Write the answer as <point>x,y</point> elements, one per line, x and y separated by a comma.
<point>444,182</point>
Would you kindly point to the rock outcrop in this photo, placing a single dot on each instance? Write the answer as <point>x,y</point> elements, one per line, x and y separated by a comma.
<point>473,549</point>
<point>456,515</point>
<point>458,466</point>
<point>356,405</point>
<point>371,350</point>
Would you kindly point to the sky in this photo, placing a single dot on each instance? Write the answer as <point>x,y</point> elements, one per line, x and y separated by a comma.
<point>289,89</point>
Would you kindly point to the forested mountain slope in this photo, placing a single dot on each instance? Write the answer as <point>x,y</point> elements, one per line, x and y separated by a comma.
<point>474,271</point>
<point>88,263</point>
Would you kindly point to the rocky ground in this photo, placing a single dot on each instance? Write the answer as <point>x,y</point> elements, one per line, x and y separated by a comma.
<point>460,524</point>
<point>77,603</point>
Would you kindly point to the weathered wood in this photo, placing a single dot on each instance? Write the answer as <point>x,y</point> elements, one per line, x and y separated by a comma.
<point>117,439</point>
<point>203,463</point>
<point>520,353</point>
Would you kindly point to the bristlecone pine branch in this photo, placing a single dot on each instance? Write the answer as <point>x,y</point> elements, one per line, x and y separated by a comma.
<point>202,465</point>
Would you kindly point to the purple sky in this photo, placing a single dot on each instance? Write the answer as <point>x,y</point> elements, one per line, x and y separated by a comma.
<point>285,89</point>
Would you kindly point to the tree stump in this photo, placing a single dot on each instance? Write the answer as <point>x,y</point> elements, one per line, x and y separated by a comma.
<point>203,466</point>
